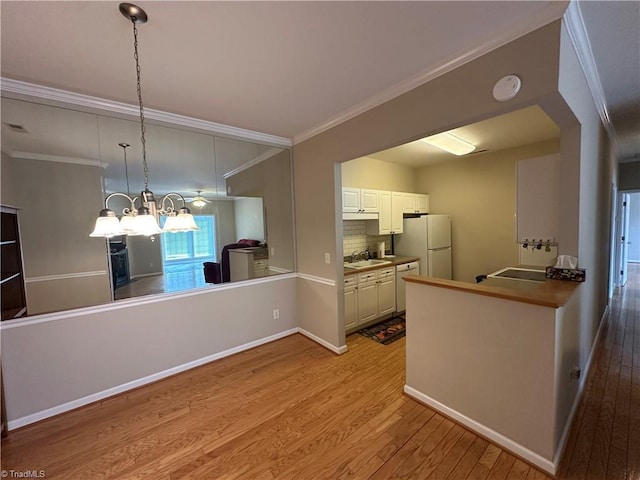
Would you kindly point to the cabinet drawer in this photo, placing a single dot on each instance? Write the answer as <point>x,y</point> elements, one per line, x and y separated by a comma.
<point>386,272</point>
<point>367,277</point>
<point>260,263</point>
<point>349,281</point>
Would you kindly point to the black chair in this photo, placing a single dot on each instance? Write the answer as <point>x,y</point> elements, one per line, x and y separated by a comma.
<point>212,272</point>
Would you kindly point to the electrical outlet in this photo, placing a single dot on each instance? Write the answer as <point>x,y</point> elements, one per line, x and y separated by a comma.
<point>272,251</point>
<point>327,258</point>
<point>276,313</point>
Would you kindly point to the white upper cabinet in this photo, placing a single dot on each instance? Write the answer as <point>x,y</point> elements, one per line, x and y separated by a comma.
<point>422,203</point>
<point>415,203</point>
<point>369,201</point>
<point>350,200</point>
<point>359,200</point>
<point>390,215</point>
<point>396,212</point>
<point>538,198</point>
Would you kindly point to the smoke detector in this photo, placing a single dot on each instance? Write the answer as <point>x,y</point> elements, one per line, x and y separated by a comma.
<point>506,88</point>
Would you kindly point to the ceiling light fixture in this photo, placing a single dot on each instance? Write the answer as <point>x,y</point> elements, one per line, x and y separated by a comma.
<point>449,143</point>
<point>199,201</point>
<point>144,220</point>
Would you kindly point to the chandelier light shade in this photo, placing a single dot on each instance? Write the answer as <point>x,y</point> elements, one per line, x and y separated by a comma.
<point>144,219</point>
<point>182,222</point>
<point>107,225</point>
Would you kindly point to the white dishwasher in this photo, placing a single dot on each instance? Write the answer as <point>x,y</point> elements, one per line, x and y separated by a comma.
<point>402,270</point>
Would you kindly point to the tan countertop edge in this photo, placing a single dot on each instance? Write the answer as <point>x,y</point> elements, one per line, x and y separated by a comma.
<point>551,293</point>
<point>394,261</point>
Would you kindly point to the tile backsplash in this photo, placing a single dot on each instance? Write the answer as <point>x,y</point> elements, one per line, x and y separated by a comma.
<point>354,238</point>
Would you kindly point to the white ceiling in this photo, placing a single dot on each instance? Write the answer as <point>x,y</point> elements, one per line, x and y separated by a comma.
<point>514,129</point>
<point>283,68</point>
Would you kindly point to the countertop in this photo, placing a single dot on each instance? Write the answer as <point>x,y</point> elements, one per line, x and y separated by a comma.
<point>397,260</point>
<point>550,293</point>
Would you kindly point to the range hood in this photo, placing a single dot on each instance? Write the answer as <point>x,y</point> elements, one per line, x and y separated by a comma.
<point>359,216</point>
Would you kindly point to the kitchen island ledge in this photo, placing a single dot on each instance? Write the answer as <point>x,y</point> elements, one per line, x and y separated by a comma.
<point>550,293</point>
<point>500,358</point>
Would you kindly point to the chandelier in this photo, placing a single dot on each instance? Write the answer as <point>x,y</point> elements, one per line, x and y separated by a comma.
<point>144,219</point>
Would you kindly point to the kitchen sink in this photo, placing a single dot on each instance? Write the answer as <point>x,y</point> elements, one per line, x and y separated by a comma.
<point>366,263</point>
<point>515,273</point>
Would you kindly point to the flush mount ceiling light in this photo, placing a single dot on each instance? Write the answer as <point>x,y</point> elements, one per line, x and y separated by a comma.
<point>143,220</point>
<point>449,143</point>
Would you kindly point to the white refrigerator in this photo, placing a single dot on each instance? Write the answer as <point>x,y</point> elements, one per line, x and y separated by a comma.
<point>429,238</point>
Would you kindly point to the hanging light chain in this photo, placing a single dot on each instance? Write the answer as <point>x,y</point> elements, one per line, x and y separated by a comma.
<point>126,166</point>
<point>142,128</point>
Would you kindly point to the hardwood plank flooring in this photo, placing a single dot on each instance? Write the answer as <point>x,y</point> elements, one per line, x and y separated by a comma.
<point>293,410</point>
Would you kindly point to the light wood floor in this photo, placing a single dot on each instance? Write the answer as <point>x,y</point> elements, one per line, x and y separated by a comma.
<point>293,410</point>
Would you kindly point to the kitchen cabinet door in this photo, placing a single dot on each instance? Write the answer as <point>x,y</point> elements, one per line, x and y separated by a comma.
<point>350,200</point>
<point>367,302</point>
<point>390,215</point>
<point>422,203</point>
<point>350,307</point>
<point>408,202</point>
<point>396,212</point>
<point>386,295</point>
<point>369,201</point>
<point>384,220</point>
<point>538,198</point>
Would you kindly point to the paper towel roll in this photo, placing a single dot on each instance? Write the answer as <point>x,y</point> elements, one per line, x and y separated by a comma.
<point>380,249</point>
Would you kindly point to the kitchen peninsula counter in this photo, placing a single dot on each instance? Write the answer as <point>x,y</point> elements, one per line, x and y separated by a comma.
<point>499,357</point>
<point>550,293</point>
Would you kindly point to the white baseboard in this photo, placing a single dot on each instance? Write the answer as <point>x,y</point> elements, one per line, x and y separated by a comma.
<point>65,407</point>
<point>324,343</point>
<point>562,444</point>
<point>499,439</point>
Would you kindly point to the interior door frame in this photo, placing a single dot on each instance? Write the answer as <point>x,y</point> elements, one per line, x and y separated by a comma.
<point>622,234</point>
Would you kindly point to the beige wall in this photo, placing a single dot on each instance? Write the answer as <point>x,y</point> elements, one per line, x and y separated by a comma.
<point>77,357</point>
<point>145,255</point>
<point>629,176</point>
<point>271,180</point>
<point>479,192</point>
<point>249,217</point>
<point>57,249</point>
<point>491,362</point>
<point>457,98</point>
<point>553,79</point>
<point>498,366</point>
<point>586,149</point>
<point>368,172</point>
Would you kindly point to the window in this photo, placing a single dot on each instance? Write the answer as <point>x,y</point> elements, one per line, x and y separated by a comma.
<point>187,247</point>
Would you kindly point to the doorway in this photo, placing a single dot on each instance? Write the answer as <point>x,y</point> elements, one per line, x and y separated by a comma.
<point>628,234</point>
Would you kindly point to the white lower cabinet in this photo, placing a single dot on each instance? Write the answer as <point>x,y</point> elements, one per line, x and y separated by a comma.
<point>386,291</point>
<point>368,296</point>
<point>350,302</point>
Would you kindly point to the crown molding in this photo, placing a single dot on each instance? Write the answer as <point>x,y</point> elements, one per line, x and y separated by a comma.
<point>580,40</point>
<point>19,90</point>
<point>532,23</point>
<point>57,158</point>
<point>260,158</point>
